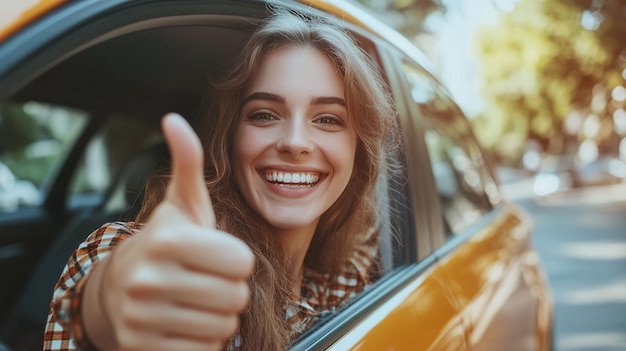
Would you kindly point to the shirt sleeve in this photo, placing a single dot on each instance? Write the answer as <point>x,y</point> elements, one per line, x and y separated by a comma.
<point>64,329</point>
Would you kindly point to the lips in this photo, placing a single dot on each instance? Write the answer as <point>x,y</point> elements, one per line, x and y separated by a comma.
<point>295,179</point>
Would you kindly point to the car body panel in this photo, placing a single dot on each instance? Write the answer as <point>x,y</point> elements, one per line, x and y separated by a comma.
<point>496,278</point>
<point>421,316</point>
<point>472,298</point>
<point>21,13</point>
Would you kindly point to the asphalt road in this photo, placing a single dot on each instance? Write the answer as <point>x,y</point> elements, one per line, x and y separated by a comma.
<point>581,238</point>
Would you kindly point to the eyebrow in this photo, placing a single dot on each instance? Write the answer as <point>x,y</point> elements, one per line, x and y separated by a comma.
<point>264,96</point>
<point>318,100</point>
<point>328,100</point>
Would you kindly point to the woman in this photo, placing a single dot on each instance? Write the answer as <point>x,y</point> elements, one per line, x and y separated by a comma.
<point>287,231</point>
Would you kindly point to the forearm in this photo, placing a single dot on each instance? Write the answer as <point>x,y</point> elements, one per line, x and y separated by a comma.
<point>94,314</point>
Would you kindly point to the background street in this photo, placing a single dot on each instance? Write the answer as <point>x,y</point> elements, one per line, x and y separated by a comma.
<point>581,238</point>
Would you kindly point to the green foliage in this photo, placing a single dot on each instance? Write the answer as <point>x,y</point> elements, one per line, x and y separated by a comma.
<point>33,170</point>
<point>542,62</point>
<point>17,128</point>
<point>407,16</point>
<point>33,140</point>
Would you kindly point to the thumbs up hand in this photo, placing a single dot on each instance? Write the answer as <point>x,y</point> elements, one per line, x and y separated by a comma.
<point>181,283</point>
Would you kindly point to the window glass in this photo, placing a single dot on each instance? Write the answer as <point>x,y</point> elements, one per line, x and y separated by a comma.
<point>34,139</point>
<point>460,189</point>
<point>465,185</point>
<point>107,152</point>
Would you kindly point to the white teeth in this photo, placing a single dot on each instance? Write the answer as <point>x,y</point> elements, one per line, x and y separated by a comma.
<point>291,178</point>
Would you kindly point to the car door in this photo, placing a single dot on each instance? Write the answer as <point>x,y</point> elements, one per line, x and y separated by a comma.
<point>411,307</point>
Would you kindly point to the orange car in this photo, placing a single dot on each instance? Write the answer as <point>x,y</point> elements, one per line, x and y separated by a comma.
<point>83,85</point>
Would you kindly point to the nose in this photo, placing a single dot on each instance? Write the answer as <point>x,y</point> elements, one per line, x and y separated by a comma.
<point>295,139</point>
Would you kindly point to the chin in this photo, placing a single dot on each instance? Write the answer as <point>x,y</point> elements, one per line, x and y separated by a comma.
<point>291,222</point>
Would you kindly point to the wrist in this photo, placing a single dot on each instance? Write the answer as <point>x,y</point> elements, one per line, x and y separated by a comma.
<point>95,316</point>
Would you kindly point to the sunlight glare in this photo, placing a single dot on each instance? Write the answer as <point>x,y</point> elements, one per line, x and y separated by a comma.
<point>586,341</point>
<point>595,251</point>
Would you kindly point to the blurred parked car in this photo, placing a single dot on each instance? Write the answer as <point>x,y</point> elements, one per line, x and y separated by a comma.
<point>604,170</point>
<point>458,268</point>
<point>564,172</point>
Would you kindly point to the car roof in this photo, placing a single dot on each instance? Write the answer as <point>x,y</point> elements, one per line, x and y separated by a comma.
<point>19,14</point>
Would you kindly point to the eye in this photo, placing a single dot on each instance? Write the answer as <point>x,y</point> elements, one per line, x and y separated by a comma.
<point>330,121</point>
<point>261,117</point>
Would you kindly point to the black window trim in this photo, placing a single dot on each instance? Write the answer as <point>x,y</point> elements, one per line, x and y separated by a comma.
<point>426,204</point>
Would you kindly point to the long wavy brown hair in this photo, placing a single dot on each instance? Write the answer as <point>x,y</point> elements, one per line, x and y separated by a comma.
<point>342,227</point>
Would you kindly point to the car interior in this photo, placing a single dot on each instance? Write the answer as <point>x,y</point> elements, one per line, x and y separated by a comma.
<point>132,73</point>
<point>138,76</point>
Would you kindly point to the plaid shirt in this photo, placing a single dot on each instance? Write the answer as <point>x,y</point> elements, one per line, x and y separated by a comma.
<point>321,293</point>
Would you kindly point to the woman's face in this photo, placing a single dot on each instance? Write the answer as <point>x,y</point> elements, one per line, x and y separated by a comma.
<point>294,145</point>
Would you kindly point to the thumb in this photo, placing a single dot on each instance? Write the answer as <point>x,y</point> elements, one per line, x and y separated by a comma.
<point>187,189</point>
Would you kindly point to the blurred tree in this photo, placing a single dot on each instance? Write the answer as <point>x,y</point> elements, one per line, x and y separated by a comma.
<point>546,61</point>
<point>18,128</point>
<point>406,16</point>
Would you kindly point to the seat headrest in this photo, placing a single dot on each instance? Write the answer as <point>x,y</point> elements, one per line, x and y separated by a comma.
<point>127,191</point>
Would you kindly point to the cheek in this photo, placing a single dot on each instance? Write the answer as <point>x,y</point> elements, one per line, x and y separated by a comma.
<point>242,147</point>
<point>245,144</point>
<point>343,162</point>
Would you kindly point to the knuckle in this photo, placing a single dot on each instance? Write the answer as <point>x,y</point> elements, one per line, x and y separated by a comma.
<point>132,320</point>
<point>250,263</point>
<point>126,340</point>
<point>164,242</point>
<point>145,281</point>
<point>240,296</point>
<point>244,263</point>
<point>213,346</point>
<point>247,261</point>
<point>227,326</point>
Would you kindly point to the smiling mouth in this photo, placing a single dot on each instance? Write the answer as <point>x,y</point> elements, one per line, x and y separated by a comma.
<point>292,179</point>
